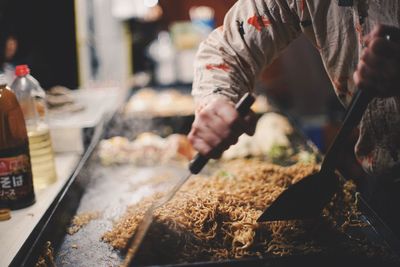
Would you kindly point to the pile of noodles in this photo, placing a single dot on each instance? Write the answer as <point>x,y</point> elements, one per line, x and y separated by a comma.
<point>214,218</point>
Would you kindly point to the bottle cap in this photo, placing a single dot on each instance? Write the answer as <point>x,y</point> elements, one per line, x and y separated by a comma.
<point>3,80</point>
<point>22,70</point>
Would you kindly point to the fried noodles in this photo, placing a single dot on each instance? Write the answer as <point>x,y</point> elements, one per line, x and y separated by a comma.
<point>214,218</point>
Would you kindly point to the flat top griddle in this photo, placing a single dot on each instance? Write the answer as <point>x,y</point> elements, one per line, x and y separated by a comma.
<point>110,189</point>
<point>109,192</point>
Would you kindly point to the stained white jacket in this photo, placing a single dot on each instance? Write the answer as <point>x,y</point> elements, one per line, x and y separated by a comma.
<point>256,31</point>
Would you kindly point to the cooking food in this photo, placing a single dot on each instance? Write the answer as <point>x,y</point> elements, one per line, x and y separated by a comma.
<point>81,220</point>
<point>149,102</point>
<point>272,132</point>
<point>171,102</point>
<point>46,259</point>
<point>214,218</point>
<point>146,149</point>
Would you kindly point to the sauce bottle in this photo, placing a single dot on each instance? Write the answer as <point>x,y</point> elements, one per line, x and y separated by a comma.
<point>16,185</point>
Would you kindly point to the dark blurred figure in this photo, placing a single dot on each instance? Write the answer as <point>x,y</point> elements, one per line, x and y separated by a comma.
<point>42,35</point>
<point>9,53</point>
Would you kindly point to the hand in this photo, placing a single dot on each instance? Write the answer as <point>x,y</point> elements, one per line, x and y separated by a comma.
<point>379,68</point>
<point>217,126</point>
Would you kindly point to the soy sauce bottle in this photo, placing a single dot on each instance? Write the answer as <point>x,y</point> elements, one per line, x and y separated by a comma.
<point>16,184</point>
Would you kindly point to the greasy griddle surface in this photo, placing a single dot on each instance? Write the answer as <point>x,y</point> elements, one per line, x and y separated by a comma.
<point>110,191</point>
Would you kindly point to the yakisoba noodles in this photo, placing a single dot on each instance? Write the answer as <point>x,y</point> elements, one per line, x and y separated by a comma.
<point>214,218</point>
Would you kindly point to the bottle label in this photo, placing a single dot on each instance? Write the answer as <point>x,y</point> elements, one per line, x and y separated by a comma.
<point>15,177</point>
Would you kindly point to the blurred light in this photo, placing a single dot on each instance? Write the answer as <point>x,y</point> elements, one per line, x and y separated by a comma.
<point>150,3</point>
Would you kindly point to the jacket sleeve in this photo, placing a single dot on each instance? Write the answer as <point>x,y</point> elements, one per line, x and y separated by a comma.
<point>253,33</point>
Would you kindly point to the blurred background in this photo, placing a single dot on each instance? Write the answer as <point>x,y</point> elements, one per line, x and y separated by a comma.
<point>100,43</point>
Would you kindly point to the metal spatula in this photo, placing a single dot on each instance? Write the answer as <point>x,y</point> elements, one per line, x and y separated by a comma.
<point>195,166</point>
<point>306,198</point>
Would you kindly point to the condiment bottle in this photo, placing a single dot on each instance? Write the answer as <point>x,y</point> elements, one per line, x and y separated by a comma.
<point>32,100</point>
<point>16,185</point>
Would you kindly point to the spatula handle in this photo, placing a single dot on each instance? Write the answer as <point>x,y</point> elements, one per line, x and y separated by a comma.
<point>353,117</point>
<point>242,107</point>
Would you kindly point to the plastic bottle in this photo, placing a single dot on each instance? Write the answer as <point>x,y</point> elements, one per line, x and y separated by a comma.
<point>32,100</point>
<point>163,52</point>
<point>16,185</point>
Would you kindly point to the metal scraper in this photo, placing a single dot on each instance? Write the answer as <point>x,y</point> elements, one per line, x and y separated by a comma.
<point>306,198</point>
<point>195,166</point>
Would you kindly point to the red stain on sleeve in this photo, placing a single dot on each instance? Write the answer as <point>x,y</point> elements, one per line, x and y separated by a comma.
<point>302,5</point>
<point>223,66</point>
<point>258,22</point>
<point>340,84</point>
<point>360,32</point>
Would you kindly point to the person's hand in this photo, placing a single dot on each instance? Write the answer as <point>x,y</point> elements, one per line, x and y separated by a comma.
<point>378,70</point>
<point>217,126</point>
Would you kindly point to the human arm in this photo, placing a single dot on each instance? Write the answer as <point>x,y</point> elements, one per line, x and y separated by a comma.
<point>253,34</point>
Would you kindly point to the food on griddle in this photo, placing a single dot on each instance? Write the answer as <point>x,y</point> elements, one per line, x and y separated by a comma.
<point>146,149</point>
<point>81,220</point>
<point>149,102</point>
<point>272,132</point>
<point>214,218</point>
<point>46,259</point>
<point>261,104</point>
<point>171,102</point>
